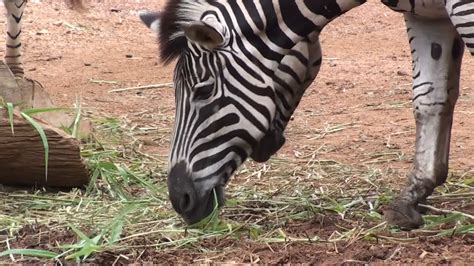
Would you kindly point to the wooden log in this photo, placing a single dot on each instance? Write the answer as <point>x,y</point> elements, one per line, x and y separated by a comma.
<point>22,156</point>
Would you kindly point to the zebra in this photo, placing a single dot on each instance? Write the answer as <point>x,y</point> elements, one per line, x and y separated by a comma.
<point>243,66</point>
<point>14,13</point>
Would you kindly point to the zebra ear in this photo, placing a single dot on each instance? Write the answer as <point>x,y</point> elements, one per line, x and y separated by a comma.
<point>208,33</point>
<point>151,19</point>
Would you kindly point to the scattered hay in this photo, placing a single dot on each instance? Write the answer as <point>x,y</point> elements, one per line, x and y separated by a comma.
<point>124,214</point>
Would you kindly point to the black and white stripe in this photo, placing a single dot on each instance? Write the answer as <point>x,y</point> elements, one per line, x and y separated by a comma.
<point>461,13</point>
<point>258,75</point>
<point>14,9</point>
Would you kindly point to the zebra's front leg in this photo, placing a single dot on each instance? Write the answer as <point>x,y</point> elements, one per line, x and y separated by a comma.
<point>437,53</point>
<point>14,9</point>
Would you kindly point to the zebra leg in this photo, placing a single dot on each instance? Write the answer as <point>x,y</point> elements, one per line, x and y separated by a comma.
<point>437,51</point>
<point>13,60</point>
<point>75,4</point>
<point>462,16</point>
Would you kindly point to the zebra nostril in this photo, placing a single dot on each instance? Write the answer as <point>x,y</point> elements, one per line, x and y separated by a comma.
<point>186,203</point>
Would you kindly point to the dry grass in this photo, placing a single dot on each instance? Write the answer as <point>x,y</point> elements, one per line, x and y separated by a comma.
<point>124,212</point>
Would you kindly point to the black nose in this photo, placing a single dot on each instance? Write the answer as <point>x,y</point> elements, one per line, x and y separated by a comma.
<point>186,202</point>
<point>181,189</point>
<point>193,202</point>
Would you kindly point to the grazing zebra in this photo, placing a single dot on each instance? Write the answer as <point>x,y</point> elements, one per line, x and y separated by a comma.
<point>243,66</point>
<point>14,15</point>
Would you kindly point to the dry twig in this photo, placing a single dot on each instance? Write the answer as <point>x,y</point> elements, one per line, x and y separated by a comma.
<point>147,87</point>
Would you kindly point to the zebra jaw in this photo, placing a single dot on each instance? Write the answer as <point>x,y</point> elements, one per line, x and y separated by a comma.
<point>268,146</point>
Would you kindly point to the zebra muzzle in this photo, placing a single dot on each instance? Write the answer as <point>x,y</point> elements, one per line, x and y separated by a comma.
<point>192,201</point>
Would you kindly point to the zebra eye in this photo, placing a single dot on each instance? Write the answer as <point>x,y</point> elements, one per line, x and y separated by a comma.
<point>203,91</point>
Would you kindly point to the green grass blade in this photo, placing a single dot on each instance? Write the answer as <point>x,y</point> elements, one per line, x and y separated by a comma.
<point>116,228</point>
<point>80,234</point>
<point>433,221</point>
<point>10,116</point>
<point>85,252</point>
<point>29,253</point>
<point>116,231</point>
<point>461,230</point>
<point>153,188</point>
<point>44,139</point>
<point>93,182</point>
<point>86,246</point>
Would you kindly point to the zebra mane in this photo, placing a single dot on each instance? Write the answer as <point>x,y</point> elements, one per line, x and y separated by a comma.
<point>171,34</point>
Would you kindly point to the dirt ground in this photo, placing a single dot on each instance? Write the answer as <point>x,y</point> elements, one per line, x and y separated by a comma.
<point>364,88</point>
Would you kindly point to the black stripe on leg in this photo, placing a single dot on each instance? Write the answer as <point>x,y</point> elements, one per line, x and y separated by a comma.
<point>14,37</point>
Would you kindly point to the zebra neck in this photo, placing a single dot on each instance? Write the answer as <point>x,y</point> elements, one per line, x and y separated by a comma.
<point>283,22</point>
<point>305,17</point>
<point>297,33</point>
<point>291,79</point>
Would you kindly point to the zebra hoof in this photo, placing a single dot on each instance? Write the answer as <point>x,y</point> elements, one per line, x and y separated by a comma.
<point>404,215</point>
<point>421,209</point>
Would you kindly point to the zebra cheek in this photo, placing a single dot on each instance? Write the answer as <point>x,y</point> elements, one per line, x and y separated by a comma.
<point>268,146</point>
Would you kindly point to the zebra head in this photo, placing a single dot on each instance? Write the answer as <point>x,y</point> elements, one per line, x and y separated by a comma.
<point>238,79</point>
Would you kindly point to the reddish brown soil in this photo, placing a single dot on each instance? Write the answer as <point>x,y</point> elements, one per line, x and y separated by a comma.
<point>457,251</point>
<point>364,83</point>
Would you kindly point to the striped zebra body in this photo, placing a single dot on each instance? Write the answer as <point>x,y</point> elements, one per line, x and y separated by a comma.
<point>243,67</point>
<point>461,13</point>
<point>14,12</point>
